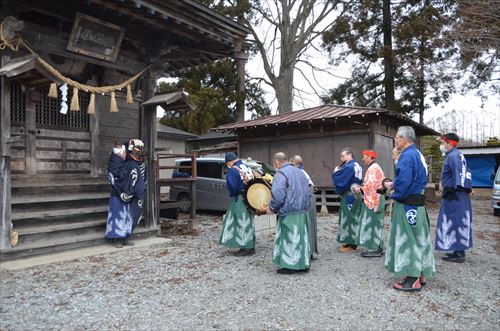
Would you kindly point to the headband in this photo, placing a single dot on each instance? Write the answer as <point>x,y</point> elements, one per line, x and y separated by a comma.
<point>371,154</point>
<point>454,143</point>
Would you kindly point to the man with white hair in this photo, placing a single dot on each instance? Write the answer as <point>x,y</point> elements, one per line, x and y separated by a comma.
<point>290,200</point>
<point>312,225</point>
<point>409,250</point>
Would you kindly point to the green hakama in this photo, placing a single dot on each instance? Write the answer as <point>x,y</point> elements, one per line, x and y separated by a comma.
<point>371,226</point>
<point>409,250</point>
<point>349,220</point>
<point>238,230</point>
<point>291,244</point>
<point>312,225</point>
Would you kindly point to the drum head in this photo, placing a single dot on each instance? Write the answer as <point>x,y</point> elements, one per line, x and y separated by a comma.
<point>257,194</point>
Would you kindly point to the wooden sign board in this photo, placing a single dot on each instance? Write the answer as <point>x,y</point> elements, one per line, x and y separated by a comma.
<point>93,37</point>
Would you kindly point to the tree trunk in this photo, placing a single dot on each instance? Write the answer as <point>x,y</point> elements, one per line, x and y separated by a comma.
<point>388,63</point>
<point>284,89</point>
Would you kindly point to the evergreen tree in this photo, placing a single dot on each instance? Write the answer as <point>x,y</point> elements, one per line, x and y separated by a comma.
<point>415,55</point>
<point>213,90</point>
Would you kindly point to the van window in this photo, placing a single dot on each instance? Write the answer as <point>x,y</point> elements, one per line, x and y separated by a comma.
<point>209,169</point>
<point>186,170</point>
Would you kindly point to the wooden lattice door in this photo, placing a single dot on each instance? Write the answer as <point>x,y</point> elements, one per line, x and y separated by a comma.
<point>51,142</point>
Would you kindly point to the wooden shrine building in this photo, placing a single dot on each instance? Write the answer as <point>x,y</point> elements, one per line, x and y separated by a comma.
<point>54,152</point>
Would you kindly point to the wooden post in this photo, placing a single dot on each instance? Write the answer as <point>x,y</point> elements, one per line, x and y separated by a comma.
<point>5,173</point>
<point>194,173</point>
<point>30,134</point>
<point>148,136</point>
<point>94,141</point>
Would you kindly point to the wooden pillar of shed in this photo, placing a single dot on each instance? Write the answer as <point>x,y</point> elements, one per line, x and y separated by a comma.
<point>5,172</point>
<point>148,136</point>
<point>240,69</point>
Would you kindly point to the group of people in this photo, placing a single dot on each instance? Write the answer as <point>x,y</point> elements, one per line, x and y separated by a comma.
<point>127,177</point>
<point>409,253</point>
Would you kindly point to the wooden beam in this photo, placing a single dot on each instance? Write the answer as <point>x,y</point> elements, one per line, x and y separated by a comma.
<point>55,45</point>
<point>5,172</point>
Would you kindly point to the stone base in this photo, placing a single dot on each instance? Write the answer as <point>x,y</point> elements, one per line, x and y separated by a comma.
<point>170,227</point>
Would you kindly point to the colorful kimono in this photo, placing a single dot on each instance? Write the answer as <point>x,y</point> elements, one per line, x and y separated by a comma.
<point>350,204</point>
<point>454,225</point>
<point>237,229</point>
<point>409,249</point>
<point>290,200</point>
<point>371,219</point>
<point>119,223</point>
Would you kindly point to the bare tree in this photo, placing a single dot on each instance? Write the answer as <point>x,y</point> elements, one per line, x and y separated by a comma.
<point>293,27</point>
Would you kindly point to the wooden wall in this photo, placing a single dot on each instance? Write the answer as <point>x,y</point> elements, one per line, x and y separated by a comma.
<point>109,127</point>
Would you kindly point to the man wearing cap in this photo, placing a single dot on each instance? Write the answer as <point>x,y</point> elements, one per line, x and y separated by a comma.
<point>290,200</point>
<point>454,226</point>
<point>237,229</point>
<point>343,177</point>
<point>371,219</point>
<point>312,225</point>
<point>409,249</point>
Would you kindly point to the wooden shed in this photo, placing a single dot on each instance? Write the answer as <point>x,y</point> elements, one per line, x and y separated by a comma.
<point>53,165</point>
<point>319,134</point>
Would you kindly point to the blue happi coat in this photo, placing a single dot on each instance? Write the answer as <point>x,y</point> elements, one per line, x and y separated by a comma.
<point>348,174</point>
<point>411,179</point>
<point>290,191</point>
<point>127,193</point>
<point>234,182</point>
<point>411,174</point>
<point>454,226</point>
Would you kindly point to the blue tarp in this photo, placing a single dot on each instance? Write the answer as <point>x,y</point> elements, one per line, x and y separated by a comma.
<point>482,168</point>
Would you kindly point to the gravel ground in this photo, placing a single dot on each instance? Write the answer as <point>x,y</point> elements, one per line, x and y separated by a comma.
<point>192,283</point>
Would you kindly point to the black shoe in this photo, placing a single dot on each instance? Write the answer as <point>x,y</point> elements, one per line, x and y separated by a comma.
<point>376,253</point>
<point>127,242</point>
<point>117,242</point>
<point>245,252</point>
<point>287,271</point>
<point>457,258</point>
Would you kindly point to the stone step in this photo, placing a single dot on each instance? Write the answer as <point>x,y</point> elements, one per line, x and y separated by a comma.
<point>55,178</point>
<point>65,243</point>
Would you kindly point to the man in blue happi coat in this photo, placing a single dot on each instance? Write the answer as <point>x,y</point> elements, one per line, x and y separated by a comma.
<point>409,250</point>
<point>238,230</point>
<point>454,226</point>
<point>343,177</point>
<point>127,178</point>
<point>290,201</point>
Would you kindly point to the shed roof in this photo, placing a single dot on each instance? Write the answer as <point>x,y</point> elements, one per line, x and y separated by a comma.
<point>171,101</point>
<point>480,150</point>
<point>322,113</point>
<point>215,135</point>
<point>163,130</point>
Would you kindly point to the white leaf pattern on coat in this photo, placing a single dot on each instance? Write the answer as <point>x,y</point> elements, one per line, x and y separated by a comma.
<point>445,241</point>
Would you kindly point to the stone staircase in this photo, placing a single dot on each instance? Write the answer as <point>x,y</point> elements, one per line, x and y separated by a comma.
<point>52,213</point>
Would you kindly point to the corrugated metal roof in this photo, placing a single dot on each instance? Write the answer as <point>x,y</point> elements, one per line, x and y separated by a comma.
<point>318,114</point>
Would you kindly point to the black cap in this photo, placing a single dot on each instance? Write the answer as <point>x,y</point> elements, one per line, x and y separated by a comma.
<point>450,136</point>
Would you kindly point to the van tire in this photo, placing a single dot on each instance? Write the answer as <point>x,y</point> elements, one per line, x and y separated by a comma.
<point>184,197</point>
<point>496,211</point>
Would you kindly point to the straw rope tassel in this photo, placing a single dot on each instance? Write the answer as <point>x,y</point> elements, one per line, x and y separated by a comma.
<point>129,95</point>
<point>91,107</point>
<point>113,107</point>
<point>52,91</point>
<point>75,104</point>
